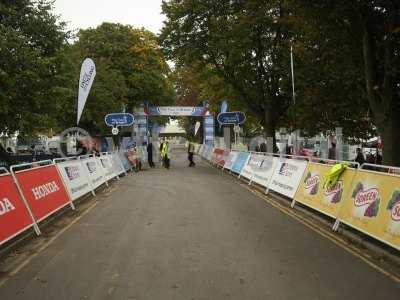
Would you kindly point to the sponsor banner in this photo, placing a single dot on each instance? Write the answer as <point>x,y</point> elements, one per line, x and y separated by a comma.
<point>194,111</point>
<point>75,178</point>
<point>217,155</point>
<point>43,189</point>
<point>240,162</point>
<point>209,153</point>
<point>95,171</point>
<point>125,161</point>
<point>116,163</point>
<point>312,193</point>
<point>208,130</point>
<point>108,171</point>
<point>230,160</point>
<point>287,176</point>
<point>14,216</point>
<point>88,72</point>
<point>373,206</point>
<point>263,167</point>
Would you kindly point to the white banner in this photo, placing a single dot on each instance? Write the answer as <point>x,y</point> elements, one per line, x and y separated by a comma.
<point>253,163</point>
<point>117,164</point>
<point>287,176</point>
<point>75,178</point>
<point>209,153</point>
<point>263,173</point>
<point>230,160</point>
<point>88,72</point>
<point>105,162</point>
<point>94,170</point>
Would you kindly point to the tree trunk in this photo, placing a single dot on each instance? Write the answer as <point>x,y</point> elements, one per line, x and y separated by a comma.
<point>391,142</point>
<point>270,127</point>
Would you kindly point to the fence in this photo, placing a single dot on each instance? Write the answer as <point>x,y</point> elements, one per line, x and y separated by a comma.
<point>32,192</point>
<point>364,199</point>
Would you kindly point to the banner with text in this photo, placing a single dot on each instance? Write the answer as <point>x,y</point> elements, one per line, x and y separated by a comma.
<point>312,193</point>
<point>240,162</point>
<point>373,206</point>
<point>287,176</point>
<point>263,167</point>
<point>14,216</point>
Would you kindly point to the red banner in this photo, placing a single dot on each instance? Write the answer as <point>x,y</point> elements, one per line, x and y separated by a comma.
<point>219,157</point>
<point>14,217</point>
<point>43,189</point>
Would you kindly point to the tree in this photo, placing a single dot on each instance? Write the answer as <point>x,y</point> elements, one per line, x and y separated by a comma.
<point>243,42</point>
<point>130,69</point>
<point>31,45</point>
<point>370,30</point>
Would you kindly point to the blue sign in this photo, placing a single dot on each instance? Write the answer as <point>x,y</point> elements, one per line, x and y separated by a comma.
<point>119,119</point>
<point>240,162</point>
<point>231,118</point>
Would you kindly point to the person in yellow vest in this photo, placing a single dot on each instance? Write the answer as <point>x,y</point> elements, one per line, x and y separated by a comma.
<point>165,154</point>
<point>190,154</point>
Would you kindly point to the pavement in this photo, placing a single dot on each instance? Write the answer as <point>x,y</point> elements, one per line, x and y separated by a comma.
<point>193,234</point>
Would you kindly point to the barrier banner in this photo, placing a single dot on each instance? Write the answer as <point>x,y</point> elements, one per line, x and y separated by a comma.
<point>209,153</point>
<point>14,216</point>
<point>43,189</point>
<point>105,162</point>
<point>240,162</point>
<point>373,206</point>
<point>287,176</point>
<point>219,156</point>
<point>125,161</point>
<point>94,170</point>
<point>201,149</point>
<point>312,193</point>
<point>116,163</point>
<point>262,172</point>
<point>230,160</point>
<point>248,168</point>
<point>74,178</point>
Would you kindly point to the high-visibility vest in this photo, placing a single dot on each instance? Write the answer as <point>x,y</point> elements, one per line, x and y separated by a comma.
<point>191,147</point>
<point>164,151</point>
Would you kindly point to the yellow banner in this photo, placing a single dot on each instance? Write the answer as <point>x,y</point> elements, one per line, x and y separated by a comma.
<point>373,206</point>
<point>311,191</point>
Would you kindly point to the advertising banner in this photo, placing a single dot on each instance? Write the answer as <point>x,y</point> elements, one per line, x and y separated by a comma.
<point>108,171</point>
<point>43,189</point>
<point>208,130</point>
<point>95,171</point>
<point>75,178</point>
<point>88,72</point>
<point>194,111</point>
<point>312,193</point>
<point>125,161</point>
<point>263,167</point>
<point>248,169</point>
<point>230,160</point>
<point>209,153</point>
<point>116,163</point>
<point>240,162</point>
<point>217,155</point>
<point>287,176</point>
<point>373,206</point>
<point>14,216</point>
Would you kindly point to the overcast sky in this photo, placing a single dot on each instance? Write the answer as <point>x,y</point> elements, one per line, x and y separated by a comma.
<point>90,13</point>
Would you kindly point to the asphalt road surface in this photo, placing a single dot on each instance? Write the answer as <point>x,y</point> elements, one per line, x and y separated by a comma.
<point>190,233</point>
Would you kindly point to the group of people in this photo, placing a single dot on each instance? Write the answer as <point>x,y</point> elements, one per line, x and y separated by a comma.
<point>165,154</point>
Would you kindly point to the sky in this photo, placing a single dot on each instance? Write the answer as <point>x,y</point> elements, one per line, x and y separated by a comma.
<point>91,13</point>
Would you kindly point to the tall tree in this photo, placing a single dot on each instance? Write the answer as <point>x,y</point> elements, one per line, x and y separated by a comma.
<point>370,33</point>
<point>243,42</point>
<point>130,69</point>
<point>32,42</point>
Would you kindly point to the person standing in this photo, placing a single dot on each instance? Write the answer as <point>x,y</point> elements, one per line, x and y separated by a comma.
<point>165,154</point>
<point>150,154</point>
<point>190,154</point>
<point>359,157</point>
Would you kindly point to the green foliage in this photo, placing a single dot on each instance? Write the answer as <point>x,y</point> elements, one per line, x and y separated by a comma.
<point>130,69</point>
<point>32,43</point>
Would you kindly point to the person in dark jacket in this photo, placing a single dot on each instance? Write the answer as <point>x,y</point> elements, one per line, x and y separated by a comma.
<point>359,157</point>
<point>150,154</point>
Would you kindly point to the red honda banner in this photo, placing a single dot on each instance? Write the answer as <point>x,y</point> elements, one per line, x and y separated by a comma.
<point>43,189</point>
<point>14,216</point>
<point>219,157</point>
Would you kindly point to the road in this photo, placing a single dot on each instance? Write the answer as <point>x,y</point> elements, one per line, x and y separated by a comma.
<point>190,233</point>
